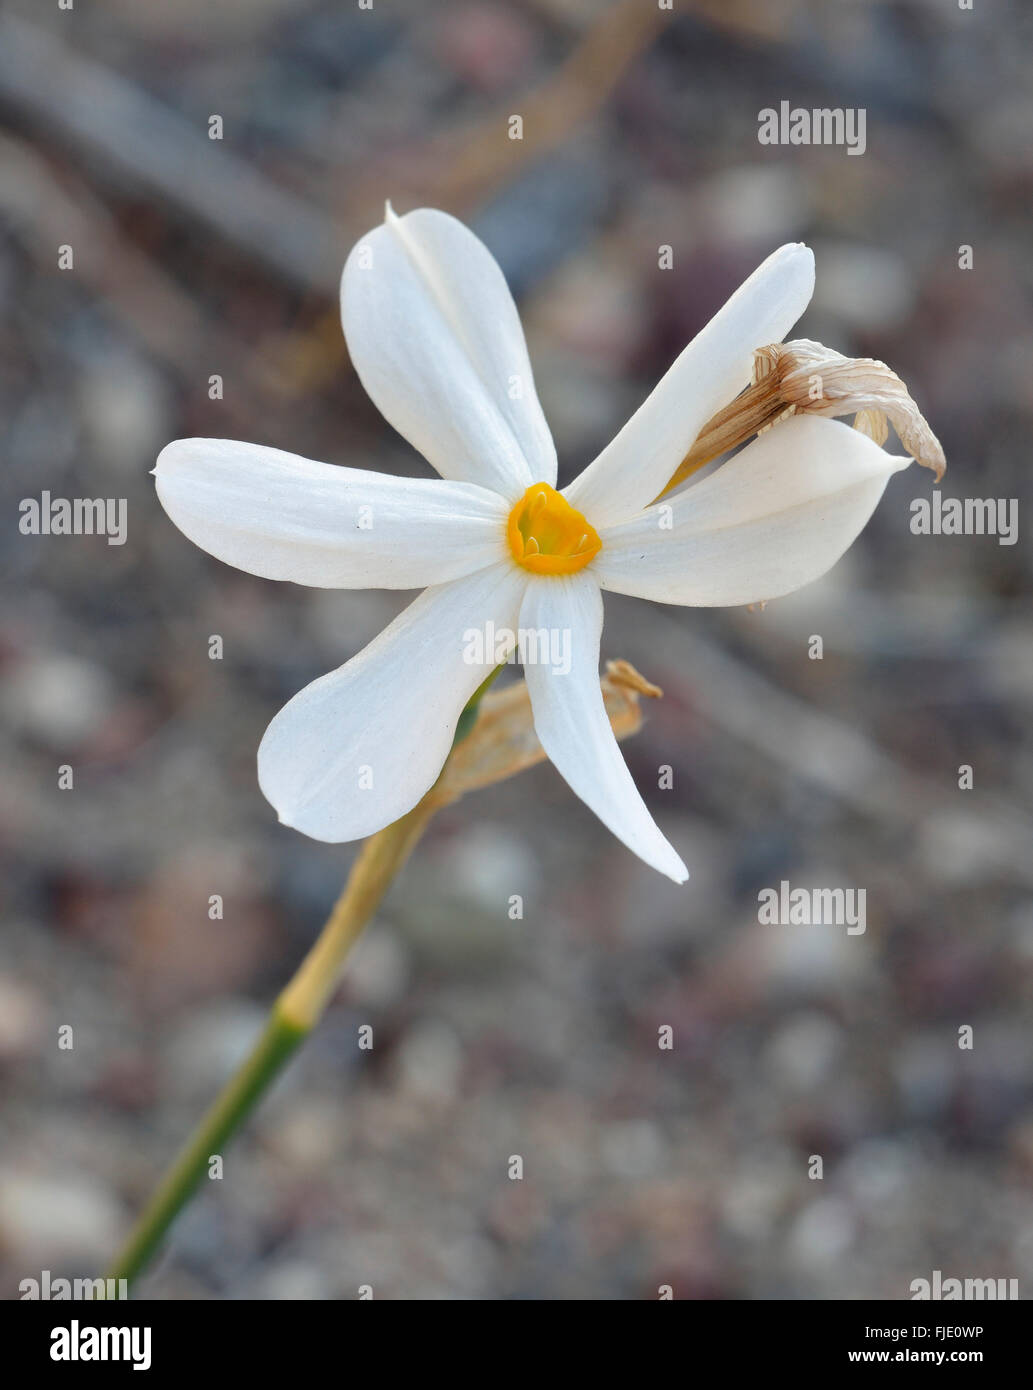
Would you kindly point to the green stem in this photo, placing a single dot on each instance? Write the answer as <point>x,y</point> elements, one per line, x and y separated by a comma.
<point>293,1016</point>
<point>277,1043</point>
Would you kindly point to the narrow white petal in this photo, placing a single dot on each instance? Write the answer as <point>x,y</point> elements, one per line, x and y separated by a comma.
<point>357,748</point>
<point>638,464</point>
<point>436,340</point>
<point>570,717</point>
<point>286,517</point>
<point>771,519</point>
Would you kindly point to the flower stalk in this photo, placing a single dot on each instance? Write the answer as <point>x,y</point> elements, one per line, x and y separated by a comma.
<point>279,1040</point>
<point>488,747</point>
<point>292,1018</point>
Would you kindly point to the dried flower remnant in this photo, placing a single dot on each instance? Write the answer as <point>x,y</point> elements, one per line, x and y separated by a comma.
<point>806,378</point>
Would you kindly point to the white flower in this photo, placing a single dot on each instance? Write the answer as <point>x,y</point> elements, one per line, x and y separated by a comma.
<point>436,340</point>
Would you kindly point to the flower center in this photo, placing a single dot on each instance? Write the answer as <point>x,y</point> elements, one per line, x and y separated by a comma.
<point>549,536</point>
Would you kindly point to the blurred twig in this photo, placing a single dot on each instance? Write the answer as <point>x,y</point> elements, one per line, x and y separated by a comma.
<point>96,109</point>
<point>48,212</point>
<point>476,162</point>
<point>90,107</point>
<point>463,168</point>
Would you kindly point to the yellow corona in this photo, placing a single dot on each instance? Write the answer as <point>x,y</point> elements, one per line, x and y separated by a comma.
<point>549,536</point>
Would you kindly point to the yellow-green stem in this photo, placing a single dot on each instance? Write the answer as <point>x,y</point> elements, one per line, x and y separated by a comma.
<point>295,1013</point>
<point>278,1041</point>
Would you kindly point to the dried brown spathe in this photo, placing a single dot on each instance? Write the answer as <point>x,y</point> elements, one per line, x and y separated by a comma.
<point>803,376</point>
<point>503,741</point>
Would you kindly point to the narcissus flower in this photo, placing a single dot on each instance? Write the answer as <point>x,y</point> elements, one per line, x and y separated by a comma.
<point>436,340</point>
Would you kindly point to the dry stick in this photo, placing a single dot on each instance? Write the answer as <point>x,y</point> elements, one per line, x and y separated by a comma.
<point>45,211</point>
<point>90,107</point>
<point>96,109</point>
<point>552,110</point>
<point>465,167</point>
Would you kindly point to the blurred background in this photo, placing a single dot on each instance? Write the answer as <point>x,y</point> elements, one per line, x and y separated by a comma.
<point>196,257</point>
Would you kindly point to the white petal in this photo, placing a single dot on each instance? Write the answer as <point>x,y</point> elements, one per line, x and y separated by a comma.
<point>570,717</point>
<point>357,748</point>
<point>636,467</point>
<point>771,519</point>
<point>436,340</point>
<point>286,517</point>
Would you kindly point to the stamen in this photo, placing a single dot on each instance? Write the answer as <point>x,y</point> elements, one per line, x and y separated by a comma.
<point>547,535</point>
